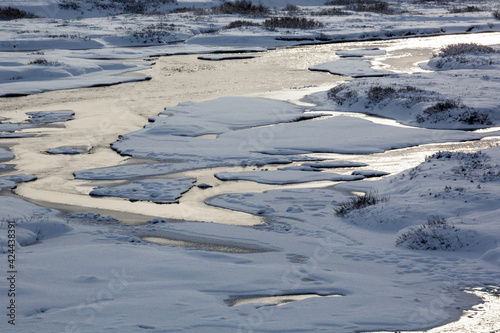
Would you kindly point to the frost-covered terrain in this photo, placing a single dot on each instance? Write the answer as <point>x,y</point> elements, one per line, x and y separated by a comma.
<point>248,142</point>
<point>457,91</point>
<point>65,46</point>
<point>334,251</point>
<point>376,257</point>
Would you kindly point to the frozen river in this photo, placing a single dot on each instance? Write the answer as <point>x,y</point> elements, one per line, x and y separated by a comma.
<point>400,277</point>
<point>104,113</point>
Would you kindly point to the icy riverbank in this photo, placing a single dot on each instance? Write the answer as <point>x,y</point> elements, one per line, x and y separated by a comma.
<point>65,46</point>
<point>398,258</point>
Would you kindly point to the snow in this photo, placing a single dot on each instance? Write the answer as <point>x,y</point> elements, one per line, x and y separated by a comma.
<point>156,190</point>
<point>11,127</point>
<point>88,216</point>
<point>411,98</point>
<point>350,67</point>
<point>354,63</point>
<point>221,115</point>
<point>334,164</point>
<point>86,272</point>
<point>30,224</point>
<point>73,41</point>
<point>15,208</point>
<point>370,173</point>
<point>6,135</point>
<point>11,181</point>
<point>5,154</point>
<point>465,56</point>
<point>284,177</point>
<point>47,117</point>
<point>95,280</point>
<point>66,151</point>
<point>260,145</point>
<point>360,52</point>
<point>57,70</point>
<point>36,119</point>
<point>317,166</point>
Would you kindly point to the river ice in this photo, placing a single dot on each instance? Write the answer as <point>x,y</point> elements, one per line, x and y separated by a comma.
<point>156,190</point>
<point>401,262</point>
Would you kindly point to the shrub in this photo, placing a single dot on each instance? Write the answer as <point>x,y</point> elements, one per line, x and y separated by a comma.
<point>464,48</point>
<point>240,24</point>
<point>374,6</point>
<point>496,13</point>
<point>69,5</point>
<point>340,2</point>
<point>183,10</point>
<point>342,93</point>
<point>291,23</point>
<point>376,94</point>
<point>331,12</point>
<point>39,61</point>
<point>475,166</point>
<point>11,13</point>
<point>122,6</point>
<point>468,9</point>
<point>472,117</point>
<point>443,106</point>
<point>407,95</point>
<point>435,234</point>
<point>440,2</point>
<point>242,7</point>
<point>154,32</point>
<point>291,8</point>
<point>134,7</point>
<point>358,202</point>
<point>467,55</point>
<point>455,111</point>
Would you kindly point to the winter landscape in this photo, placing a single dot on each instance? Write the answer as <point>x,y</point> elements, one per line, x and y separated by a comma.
<point>250,166</point>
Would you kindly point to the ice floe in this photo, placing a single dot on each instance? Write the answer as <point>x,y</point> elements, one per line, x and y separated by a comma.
<point>158,190</point>
<point>285,177</point>
<point>12,181</point>
<point>5,154</point>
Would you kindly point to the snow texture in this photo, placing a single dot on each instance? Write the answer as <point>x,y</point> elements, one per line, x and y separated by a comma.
<point>85,272</point>
<point>284,177</point>
<point>360,52</point>
<point>36,119</point>
<point>11,181</point>
<point>47,117</point>
<point>65,47</point>
<point>461,95</point>
<point>66,151</point>
<point>243,138</point>
<point>5,154</point>
<point>370,173</point>
<point>157,190</point>
<point>354,67</point>
<point>56,70</point>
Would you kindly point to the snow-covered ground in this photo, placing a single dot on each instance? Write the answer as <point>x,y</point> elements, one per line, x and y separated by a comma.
<point>106,278</point>
<point>388,254</point>
<point>64,48</point>
<point>457,91</point>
